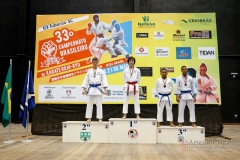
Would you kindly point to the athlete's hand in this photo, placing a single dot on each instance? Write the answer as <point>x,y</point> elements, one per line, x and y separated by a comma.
<point>177,99</point>
<point>84,92</point>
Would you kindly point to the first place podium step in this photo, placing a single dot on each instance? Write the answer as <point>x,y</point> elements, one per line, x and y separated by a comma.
<point>132,130</point>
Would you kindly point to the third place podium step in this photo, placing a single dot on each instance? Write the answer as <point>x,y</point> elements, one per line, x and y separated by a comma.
<point>132,130</point>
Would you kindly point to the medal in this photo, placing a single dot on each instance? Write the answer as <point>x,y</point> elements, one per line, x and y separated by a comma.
<point>164,82</point>
<point>131,72</point>
<point>185,80</point>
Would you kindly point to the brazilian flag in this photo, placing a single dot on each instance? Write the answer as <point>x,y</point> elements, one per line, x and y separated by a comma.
<point>6,98</point>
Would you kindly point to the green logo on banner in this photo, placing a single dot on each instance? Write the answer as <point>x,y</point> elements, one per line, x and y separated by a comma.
<point>85,136</point>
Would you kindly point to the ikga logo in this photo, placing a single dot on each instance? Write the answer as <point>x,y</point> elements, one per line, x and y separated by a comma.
<point>206,53</point>
<point>178,36</point>
<point>158,35</point>
<point>162,52</point>
<point>146,23</point>
<point>183,53</point>
<point>141,51</point>
<point>132,133</point>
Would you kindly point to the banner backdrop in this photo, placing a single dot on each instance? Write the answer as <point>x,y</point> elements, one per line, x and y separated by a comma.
<point>66,43</point>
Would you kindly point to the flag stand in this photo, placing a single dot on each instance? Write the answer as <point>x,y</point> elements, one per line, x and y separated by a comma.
<point>27,140</point>
<point>9,141</point>
<point>9,134</point>
<point>27,97</point>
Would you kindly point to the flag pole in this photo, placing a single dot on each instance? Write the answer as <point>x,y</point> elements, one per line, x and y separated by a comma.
<point>9,126</point>
<point>26,101</point>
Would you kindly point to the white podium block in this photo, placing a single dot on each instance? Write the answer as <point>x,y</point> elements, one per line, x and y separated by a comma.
<point>132,130</point>
<point>180,135</point>
<point>81,131</point>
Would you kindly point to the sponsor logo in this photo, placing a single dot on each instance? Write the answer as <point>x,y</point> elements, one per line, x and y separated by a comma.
<point>206,53</point>
<point>146,23</point>
<point>178,36</point>
<point>68,92</point>
<point>141,35</point>
<point>197,20</point>
<point>141,51</point>
<point>200,34</point>
<point>158,35</point>
<point>49,94</point>
<point>108,92</point>
<point>183,53</point>
<point>162,52</point>
<point>132,133</point>
<point>168,21</point>
<point>85,136</point>
<point>169,69</point>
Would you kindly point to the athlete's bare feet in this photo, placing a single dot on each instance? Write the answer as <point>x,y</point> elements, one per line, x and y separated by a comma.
<point>180,125</point>
<point>100,120</point>
<point>172,125</point>
<point>194,125</point>
<point>158,124</point>
<point>137,116</point>
<point>124,116</point>
<point>88,120</point>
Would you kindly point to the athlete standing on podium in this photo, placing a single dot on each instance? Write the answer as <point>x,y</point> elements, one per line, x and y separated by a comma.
<point>164,87</point>
<point>94,85</point>
<point>131,77</point>
<point>185,95</point>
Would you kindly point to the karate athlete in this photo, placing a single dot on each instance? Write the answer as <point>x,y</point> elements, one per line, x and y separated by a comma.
<point>94,85</point>
<point>118,34</point>
<point>100,43</point>
<point>206,86</point>
<point>185,95</point>
<point>131,77</point>
<point>164,87</point>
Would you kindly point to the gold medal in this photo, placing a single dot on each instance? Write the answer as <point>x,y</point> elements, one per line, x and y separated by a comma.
<point>164,86</point>
<point>185,84</point>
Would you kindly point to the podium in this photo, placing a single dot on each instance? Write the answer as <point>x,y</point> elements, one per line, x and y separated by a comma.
<point>81,131</point>
<point>181,135</point>
<point>132,130</point>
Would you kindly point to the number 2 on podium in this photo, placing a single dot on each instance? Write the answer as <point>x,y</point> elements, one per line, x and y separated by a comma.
<point>85,126</point>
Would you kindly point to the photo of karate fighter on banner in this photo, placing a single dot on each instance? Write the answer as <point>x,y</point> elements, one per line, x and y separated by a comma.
<point>101,43</point>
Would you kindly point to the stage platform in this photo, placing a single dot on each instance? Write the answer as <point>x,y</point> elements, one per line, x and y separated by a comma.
<point>130,130</point>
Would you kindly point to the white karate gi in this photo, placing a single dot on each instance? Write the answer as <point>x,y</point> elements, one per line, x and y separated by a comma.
<point>164,99</point>
<point>185,98</point>
<point>129,89</point>
<point>94,93</point>
<point>95,47</point>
